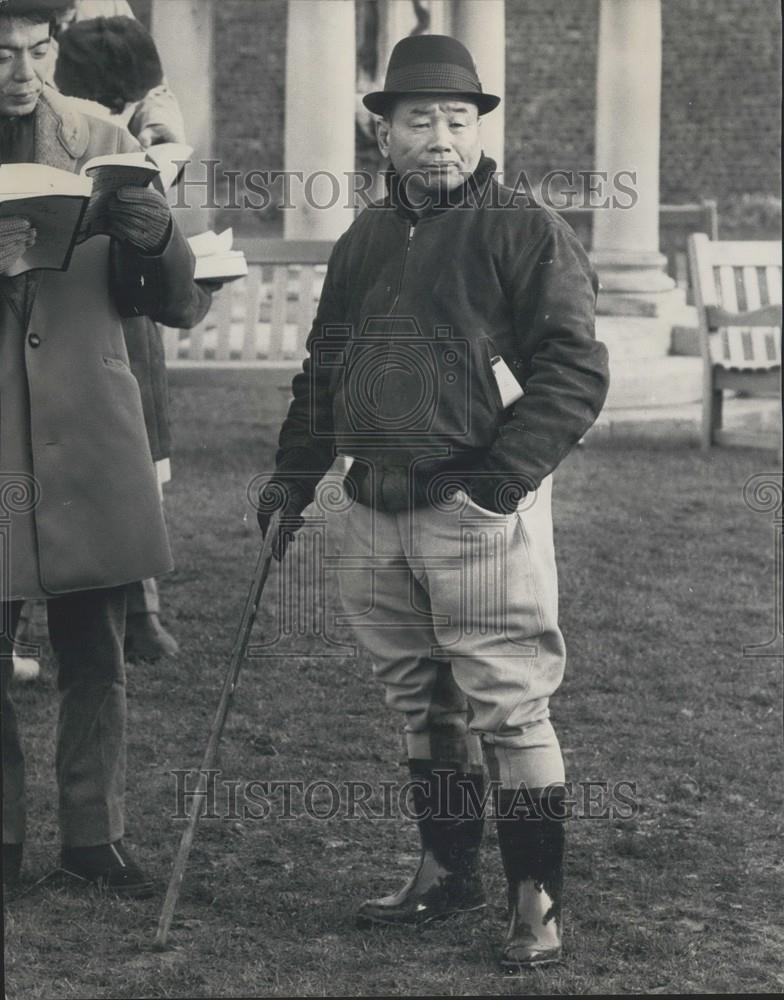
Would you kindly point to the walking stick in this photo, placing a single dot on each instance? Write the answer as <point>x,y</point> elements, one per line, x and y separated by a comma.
<point>237,656</point>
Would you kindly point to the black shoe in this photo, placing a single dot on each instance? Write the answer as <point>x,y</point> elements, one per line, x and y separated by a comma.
<point>109,866</point>
<point>12,864</point>
<point>447,880</point>
<point>532,849</point>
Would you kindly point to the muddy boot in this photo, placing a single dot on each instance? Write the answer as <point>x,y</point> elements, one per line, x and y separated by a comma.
<point>147,639</point>
<point>531,838</point>
<point>447,880</point>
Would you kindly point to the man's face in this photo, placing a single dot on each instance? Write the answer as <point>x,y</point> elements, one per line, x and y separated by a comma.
<point>24,48</point>
<point>432,140</point>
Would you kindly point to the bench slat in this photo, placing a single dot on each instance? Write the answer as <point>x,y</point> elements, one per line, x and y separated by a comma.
<point>743,253</point>
<point>280,282</point>
<point>223,340</point>
<point>773,275</point>
<point>305,308</point>
<point>251,318</point>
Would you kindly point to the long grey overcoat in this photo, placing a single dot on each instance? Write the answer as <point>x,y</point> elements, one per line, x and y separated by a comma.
<point>79,501</point>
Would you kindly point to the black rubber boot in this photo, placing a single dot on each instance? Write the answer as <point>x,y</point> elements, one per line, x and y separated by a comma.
<point>532,850</point>
<point>447,880</point>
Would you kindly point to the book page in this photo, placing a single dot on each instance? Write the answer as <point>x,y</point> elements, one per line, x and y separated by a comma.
<point>224,267</point>
<point>22,180</point>
<point>209,243</point>
<point>55,219</point>
<point>171,159</point>
<point>203,244</point>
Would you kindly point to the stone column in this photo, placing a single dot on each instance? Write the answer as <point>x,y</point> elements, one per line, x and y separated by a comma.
<point>183,31</point>
<point>320,110</point>
<point>481,27</point>
<point>626,239</point>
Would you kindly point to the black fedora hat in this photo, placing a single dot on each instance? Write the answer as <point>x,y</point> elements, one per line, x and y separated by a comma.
<point>438,64</point>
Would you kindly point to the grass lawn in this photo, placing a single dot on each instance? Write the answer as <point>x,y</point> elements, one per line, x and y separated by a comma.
<point>665,576</point>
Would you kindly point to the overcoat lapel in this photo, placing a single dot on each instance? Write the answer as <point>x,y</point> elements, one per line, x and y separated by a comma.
<point>61,135</point>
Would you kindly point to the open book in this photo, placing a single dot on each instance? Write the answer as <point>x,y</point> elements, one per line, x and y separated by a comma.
<point>215,259</point>
<point>66,208</point>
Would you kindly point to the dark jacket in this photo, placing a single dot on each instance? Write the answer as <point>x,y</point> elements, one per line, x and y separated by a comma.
<point>398,372</point>
<point>147,359</point>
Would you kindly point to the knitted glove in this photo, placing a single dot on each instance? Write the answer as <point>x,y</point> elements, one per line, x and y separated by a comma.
<point>16,236</point>
<point>290,500</point>
<point>139,216</point>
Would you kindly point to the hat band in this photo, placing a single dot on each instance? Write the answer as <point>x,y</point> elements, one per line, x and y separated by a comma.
<point>430,76</point>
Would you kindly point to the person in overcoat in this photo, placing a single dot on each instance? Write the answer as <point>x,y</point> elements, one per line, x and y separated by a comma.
<point>112,64</point>
<point>79,499</point>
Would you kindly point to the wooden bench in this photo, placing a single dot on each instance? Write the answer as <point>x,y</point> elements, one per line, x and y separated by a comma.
<point>737,290</point>
<point>257,327</point>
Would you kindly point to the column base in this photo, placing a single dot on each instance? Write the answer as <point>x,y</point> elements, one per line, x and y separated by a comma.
<point>640,325</point>
<point>632,283</point>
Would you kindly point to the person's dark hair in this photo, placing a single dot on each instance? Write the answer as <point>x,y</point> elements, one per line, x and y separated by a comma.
<point>35,11</point>
<point>112,60</point>
<point>33,17</point>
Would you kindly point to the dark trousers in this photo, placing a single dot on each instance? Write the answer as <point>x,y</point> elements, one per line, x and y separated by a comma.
<point>86,630</point>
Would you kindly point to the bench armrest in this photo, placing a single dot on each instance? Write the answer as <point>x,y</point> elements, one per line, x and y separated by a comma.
<point>717,317</point>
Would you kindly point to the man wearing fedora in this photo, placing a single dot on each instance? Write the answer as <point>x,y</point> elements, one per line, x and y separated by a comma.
<point>447,569</point>
<point>78,491</point>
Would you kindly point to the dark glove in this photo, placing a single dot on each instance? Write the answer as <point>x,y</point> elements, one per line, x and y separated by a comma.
<point>290,499</point>
<point>139,216</point>
<point>211,285</point>
<point>16,237</point>
<point>498,494</point>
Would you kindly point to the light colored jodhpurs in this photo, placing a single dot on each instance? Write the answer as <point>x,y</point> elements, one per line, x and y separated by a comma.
<point>429,589</point>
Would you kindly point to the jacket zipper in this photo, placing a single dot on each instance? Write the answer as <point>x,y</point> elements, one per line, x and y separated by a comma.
<point>403,268</point>
<point>397,295</point>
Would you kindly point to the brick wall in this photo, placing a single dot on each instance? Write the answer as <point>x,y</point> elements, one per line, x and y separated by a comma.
<point>250,73</point>
<point>720,98</point>
<point>720,93</point>
<point>551,48</point>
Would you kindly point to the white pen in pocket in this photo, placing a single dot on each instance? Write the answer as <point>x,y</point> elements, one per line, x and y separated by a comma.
<point>508,386</point>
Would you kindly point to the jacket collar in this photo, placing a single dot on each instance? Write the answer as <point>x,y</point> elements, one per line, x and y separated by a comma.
<point>463,196</point>
<point>61,133</point>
